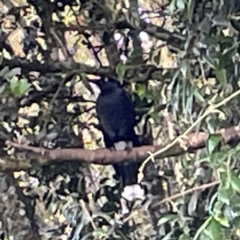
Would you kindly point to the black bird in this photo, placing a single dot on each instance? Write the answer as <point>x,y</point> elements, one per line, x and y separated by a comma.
<point>116,117</point>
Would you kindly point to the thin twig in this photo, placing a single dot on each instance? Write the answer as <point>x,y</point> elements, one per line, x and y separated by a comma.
<point>178,195</point>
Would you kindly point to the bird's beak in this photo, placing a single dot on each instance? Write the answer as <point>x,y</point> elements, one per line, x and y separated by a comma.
<point>94,85</point>
<point>95,81</point>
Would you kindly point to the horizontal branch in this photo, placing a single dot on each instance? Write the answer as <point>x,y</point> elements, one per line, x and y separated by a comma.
<point>172,38</point>
<point>53,67</point>
<point>106,157</point>
<point>57,67</point>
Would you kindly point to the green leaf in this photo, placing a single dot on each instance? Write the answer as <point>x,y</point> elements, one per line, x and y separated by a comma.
<point>180,5</point>
<point>190,8</point>
<point>24,86</point>
<point>19,87</point>
<point>198,95</point>
<point>12,73</point>
<point>14,86</point>
<point>222,220</point>
<point>171,7</point>
<point>236,222</point>
<point>221,75</point>
<point>168,236</point>
<point>209,61</point>
<point>235,24</point>
<point>167,218</point>
<point>2,88</point>
<point>229,214</point>
<point>224,195</point>
<point>235,182</point>
<point>218,206</point>
<point>202,228</point>
<point>212,124</point>
<point>100,233</point>
<point>121,68</point>
<point>225,179</point>
<point>211,203</point>
<point>229,53</point>
<point>205,27</point>
<point>184,68</point>
<point>96,234</point>
<point>235,200</point>
<point>141,90</point>
<point>4,71</point>
<point>213,229</point>
<point>192,205</point>
<point>213,142</point>
<point>220,20</point>
<point>183,237</point>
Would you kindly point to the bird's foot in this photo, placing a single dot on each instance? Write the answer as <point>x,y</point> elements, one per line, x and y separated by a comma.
<point>128,149</point>
<point>112,149</point>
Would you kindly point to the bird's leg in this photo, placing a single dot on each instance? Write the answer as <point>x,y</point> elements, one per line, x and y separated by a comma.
<point>128,149</point>
<point>112,149</point>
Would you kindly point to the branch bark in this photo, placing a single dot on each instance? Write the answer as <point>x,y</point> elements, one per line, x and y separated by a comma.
<point>42,156</point>
<point>57,67</point>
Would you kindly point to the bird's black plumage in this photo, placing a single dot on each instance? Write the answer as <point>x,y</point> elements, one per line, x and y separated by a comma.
<point>116,116</point>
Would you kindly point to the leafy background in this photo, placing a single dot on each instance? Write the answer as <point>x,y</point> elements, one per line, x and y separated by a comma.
<point>181,59</point>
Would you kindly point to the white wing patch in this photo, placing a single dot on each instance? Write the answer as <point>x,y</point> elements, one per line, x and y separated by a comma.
<point>121,145</point>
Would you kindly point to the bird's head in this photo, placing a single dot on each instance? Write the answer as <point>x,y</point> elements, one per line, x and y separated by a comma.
<point>105,84</point>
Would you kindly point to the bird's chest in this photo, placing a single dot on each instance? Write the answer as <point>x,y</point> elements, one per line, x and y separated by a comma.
<point>111,114</point>
<point>114,111</point>
<point>111,104</point>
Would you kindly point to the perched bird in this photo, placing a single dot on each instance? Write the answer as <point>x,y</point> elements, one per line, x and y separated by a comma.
<point>116,117</point>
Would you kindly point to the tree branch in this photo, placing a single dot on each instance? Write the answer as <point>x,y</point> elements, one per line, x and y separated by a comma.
<point>173,39</point>
<point>55,67</point>
<point>42,156</point>
<point>151,72</point>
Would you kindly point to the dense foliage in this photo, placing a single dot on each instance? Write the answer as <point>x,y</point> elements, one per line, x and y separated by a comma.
<point>180,60</point>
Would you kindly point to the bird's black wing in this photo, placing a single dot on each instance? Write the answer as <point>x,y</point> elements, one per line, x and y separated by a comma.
<point>128,172</point>
<point>116,115</point>
<point>127,124</point>
<point>106,107</point>
<point>117,119</point>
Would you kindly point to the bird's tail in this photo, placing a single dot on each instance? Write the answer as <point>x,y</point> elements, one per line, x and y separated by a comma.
<point>128,173</point>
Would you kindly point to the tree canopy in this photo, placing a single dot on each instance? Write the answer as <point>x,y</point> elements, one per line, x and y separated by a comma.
<point>179,60</point>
